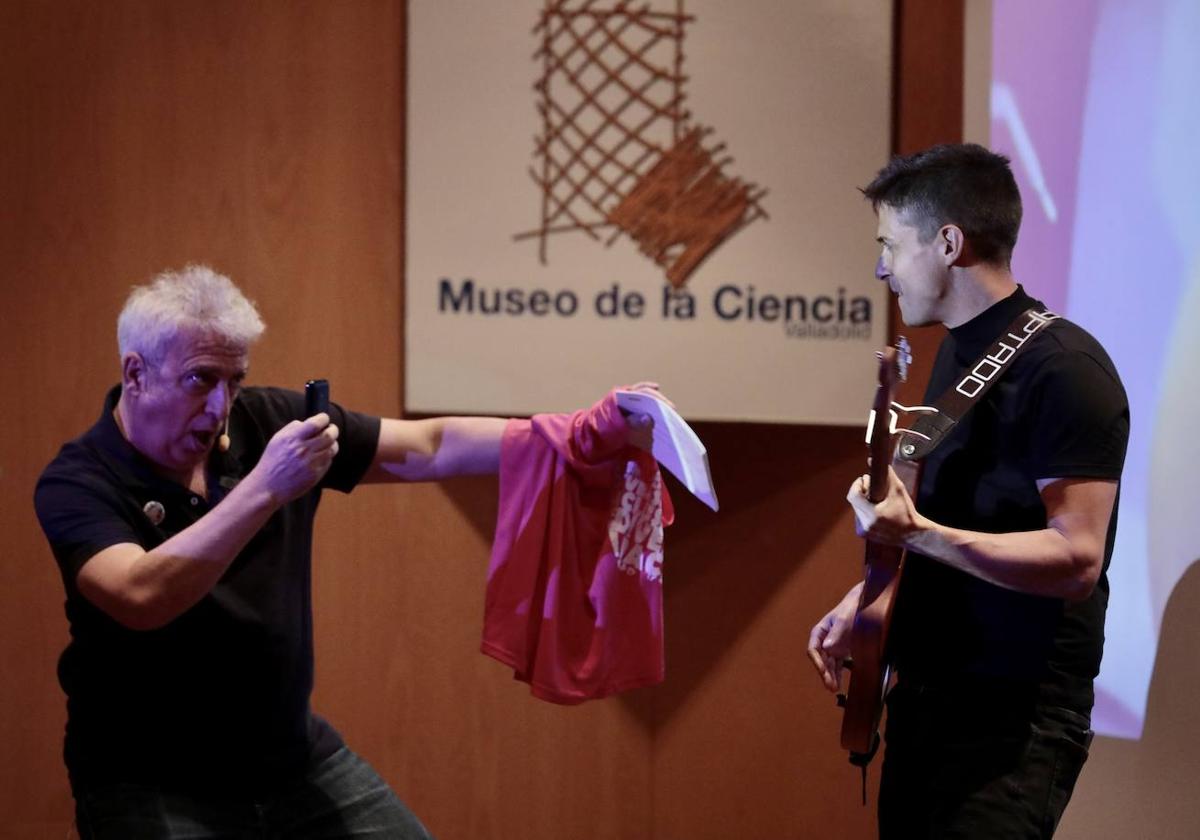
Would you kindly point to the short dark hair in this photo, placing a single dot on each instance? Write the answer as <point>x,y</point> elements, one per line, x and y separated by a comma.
<point>960,184</point>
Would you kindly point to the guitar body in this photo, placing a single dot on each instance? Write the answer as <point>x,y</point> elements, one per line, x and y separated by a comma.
<point>870,674</point>
<point>870,670</point>
<point>869,665</point>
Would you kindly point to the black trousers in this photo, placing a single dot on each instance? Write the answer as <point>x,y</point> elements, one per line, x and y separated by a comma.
<point>977,764</point>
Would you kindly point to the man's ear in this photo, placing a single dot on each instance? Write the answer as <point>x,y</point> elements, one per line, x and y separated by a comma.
<point>952,243</point>
<point>134,371</point>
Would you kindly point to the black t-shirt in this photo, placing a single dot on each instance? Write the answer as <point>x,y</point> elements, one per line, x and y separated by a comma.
<point>1060,411</point>
<point>219,697</point>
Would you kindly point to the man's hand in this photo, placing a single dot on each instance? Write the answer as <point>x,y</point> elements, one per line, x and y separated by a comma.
<point>297,457</point>
<point>444,447</point>
<point>1062,560</point>
<point>829,641</point>
<point>893,521</point>
<point>144,590</point>
<point>641,426</point>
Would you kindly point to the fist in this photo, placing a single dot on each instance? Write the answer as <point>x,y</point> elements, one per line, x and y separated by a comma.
<point>298,456</point>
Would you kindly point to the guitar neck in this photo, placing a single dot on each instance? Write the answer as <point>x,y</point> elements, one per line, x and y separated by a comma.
<point>880,447</point>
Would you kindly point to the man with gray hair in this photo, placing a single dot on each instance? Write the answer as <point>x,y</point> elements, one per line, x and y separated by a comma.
<point>182,525</point>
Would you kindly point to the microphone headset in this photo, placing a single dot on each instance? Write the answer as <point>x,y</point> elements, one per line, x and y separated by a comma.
<point>223,439</point>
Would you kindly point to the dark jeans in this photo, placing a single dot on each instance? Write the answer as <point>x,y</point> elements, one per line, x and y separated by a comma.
<point>339,797</point>
<point>977,766</point>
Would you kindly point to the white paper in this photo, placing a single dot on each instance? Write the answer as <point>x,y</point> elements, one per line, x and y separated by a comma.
<point>674,445</point>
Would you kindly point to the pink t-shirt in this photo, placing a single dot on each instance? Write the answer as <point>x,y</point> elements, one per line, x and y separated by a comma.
<point>574,593</point>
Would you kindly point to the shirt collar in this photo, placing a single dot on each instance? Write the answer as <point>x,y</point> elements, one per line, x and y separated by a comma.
<point>973,337</point>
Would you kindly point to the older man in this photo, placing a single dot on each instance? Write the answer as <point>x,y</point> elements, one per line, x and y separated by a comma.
<point>182,525</point>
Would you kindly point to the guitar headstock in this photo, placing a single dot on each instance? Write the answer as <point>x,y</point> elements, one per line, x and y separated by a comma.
<point>894,362</point>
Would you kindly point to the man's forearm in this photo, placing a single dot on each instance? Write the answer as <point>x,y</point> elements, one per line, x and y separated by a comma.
<point>147,589</point>
<point>1037,562</point>
<point>1062,560</point>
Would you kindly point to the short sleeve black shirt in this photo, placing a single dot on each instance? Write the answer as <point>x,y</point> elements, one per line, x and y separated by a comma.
<point>220,695</point>
<point>1060,411</point>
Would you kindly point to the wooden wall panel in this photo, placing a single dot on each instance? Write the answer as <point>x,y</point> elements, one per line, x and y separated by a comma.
<point>260,138</point>
<point>265,138</point>
<point>927,110</point>
<point>746,739</point>
<point>748,747</point>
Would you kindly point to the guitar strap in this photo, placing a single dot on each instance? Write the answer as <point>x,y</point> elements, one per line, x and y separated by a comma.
<point>936,421</point>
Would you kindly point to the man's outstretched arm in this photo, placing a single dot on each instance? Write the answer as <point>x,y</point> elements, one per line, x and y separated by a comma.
<point>437,448</point>
<point>444,447</point>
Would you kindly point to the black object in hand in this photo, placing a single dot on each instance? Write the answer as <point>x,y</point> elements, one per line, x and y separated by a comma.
<point>316,397</point>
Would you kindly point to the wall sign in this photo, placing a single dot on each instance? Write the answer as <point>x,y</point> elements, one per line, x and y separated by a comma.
<point>602,193</point>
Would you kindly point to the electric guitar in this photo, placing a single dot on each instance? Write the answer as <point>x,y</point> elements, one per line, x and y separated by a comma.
<point>870,670</point>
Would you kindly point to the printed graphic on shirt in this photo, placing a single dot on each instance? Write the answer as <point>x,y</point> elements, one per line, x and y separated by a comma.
<point>636,527</point>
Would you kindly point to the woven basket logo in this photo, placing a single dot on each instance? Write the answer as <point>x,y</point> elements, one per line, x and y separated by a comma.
<point>619,153</point>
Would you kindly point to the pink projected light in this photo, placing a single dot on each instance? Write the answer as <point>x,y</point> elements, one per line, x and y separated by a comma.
<point>1095,102</point>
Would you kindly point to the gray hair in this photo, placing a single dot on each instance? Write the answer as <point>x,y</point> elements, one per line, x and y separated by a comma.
<point>194,298</point>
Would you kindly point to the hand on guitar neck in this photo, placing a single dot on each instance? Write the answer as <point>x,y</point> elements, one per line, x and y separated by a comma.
<point>893,520</point>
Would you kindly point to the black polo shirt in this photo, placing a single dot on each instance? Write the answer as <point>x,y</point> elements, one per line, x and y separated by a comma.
<point>1060,411</point>
<point>219,697</point>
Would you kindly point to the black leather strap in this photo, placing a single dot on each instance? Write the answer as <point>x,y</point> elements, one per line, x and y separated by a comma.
<point>930,428</point>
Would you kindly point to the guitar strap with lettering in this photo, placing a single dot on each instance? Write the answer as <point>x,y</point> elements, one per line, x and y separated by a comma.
<point>936,421</point>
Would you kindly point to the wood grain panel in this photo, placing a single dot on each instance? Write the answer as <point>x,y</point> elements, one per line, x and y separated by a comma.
<point>927,110</point>
<point>750,751</point>
<point>265,138</point>
<point>746,739</point>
